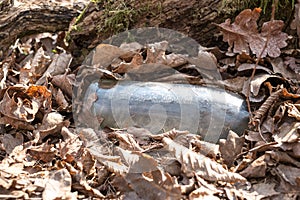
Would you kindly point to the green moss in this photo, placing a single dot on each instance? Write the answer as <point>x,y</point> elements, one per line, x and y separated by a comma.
<point>119,16</point>
<point>116,18</point>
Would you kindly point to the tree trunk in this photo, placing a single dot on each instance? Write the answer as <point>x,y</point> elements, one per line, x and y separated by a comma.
<point>100,19</point>
<point>194,18</point>
<point>20,18</point>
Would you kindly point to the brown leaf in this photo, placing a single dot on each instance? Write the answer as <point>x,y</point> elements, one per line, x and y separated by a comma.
<point>64,82</point>
<point>52,124</point>
<point>113,163</point>
<point>237,34</point>
<point>279,67</point>
<point>135,63</point>
<point>61,100</point>
<point>59,65</point>
<point>43,152</point>
<point>277,39</point>
<point>192,163</point>
<point>34,68</point>
<point>293,110</point>
<point>104,54</point>
<point>138,162</point>
<point>58,186</point>
<point>293,64</point>
<point>288,132</point>
<point>158,186</point>
<point>296,22</point>
<point>243,34</point>
<point>17,124</point>
<point>283,157</point>
<point>289,174</point>
<point>126,141</point>
<point>70,147</point>
<point>261,189</point>
<point>156,52</point>
<point>256,169</point>
<point>231,147</point>
<point>9,142</point>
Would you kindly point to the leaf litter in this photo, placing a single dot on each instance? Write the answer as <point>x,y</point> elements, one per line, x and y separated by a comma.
<point>44,157</point>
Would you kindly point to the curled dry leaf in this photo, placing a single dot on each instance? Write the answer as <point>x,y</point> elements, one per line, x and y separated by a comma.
<point>236,34</point>
<point>43,152</point>
<point>126,141</point>
<point>21,104</point>
<point>280,67</point>
<point>193,163</point>
<point>293,110</point>
<point>52,124</point>
<point>64,82</point>
<point>112,163</point>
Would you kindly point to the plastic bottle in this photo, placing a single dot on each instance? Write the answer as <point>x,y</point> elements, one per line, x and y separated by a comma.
<point>158,107</point>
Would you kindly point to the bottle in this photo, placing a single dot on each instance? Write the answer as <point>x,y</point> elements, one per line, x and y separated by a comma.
<point>158,107</point>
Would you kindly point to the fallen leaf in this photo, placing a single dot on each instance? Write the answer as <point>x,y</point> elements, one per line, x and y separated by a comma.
<point>231,147</point>
<point>59,65</point>
<point>193,163</point>
<point>289,174</point>
<point>256,169</point>
<point>58,186</point>
<point>158,187</point>
<point>243,34</point>
<point>9,142</point>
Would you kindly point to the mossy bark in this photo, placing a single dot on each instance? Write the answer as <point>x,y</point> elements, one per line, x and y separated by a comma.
<point>104,18</point>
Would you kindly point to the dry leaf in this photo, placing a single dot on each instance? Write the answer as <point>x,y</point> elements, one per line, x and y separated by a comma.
<point>59,65</point>
<point>237,33</point>
<point>296,22</point>
<point>159,186</point>
<point>193,163</point>
<point>288,133</point>
<point>64,82</point>
<point>243,34</point>
<point>289,174</point>
<point>231,147</point>
<point>256,169</point>
<point>58,186</point>
<point>9,142</point>
<point>138,162</point>
<point>43,152</point>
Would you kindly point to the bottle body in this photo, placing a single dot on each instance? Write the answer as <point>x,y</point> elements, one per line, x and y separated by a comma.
<point>158,107</point>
